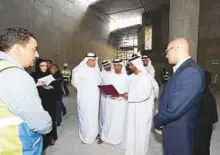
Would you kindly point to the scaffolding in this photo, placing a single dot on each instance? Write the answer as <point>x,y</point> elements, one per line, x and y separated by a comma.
<point>126,46</point>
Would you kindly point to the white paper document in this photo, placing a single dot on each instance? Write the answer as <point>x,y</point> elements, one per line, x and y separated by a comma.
<point>46,80</point>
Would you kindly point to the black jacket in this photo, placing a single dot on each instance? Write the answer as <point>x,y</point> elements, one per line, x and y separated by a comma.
<point>58,85</point>
<point>48,99</point>
<point>208,110</point>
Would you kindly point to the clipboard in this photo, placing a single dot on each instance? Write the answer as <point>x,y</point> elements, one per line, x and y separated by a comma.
<point>109,90</point>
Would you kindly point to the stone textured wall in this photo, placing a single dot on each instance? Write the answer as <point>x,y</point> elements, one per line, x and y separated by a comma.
<point>209,37</point>
<point>184,19</point>
<point>159,19</point>
<point>65,29</point>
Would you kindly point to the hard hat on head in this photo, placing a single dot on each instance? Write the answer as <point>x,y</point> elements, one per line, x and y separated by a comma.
<point>65,65</point>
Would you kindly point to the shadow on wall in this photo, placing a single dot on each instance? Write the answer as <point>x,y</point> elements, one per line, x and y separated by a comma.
<point>90,35</point>
<point>66,30</point>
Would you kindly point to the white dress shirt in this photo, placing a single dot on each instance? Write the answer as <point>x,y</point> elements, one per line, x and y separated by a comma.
<point>180,63</point>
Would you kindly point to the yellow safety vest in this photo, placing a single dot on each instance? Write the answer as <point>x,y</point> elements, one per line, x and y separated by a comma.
<point>66,73</point>
<point>10,143</point>
<point>16,138</point>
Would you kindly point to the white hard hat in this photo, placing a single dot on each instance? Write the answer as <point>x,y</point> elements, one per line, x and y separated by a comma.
<point>65,65</point>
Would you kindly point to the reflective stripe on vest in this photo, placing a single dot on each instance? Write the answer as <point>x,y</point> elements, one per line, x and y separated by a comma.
<point>66,73</point>
<point>9,132</point>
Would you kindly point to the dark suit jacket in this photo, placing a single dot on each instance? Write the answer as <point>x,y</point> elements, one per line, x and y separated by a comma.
<point>179,104</point>
<point>208,111</point>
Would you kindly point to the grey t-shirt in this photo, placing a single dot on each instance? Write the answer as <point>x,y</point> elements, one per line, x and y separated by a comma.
<point>18,91</point>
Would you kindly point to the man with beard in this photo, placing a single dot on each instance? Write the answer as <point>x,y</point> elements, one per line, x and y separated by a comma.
<point>148,65</point>
<point>139,116</point>
<point>105,76</point>
<point>115,107</point>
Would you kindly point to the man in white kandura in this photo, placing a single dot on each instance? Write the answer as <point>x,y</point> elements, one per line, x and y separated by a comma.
<point>115,107</point>
<point>148,65</point>
<point>151,72</point>
<point>141,97</point>
<point>106,72</point>
<point>86,78</point>
<point>106,68</point>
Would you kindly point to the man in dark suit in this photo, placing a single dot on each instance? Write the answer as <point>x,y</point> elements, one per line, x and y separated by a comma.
<point>207,116</point>
<point>180,101</point>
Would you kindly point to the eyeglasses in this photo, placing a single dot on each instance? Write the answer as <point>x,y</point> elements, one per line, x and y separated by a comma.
<point>167,50</point>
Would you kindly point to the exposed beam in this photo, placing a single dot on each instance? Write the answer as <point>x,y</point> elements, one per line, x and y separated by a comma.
<point>126,10</point>
<point>101,11</point>
<point>143,6</point>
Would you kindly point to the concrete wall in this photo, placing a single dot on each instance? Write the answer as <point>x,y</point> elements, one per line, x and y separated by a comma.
<point>66,29</point>
<point>209,37</point>
<point>184,19</point>
<point>159,19</point>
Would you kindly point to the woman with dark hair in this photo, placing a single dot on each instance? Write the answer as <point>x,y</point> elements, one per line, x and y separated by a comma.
<point>48,100</point>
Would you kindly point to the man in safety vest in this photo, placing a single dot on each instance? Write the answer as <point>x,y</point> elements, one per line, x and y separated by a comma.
<point>66,73</point>
<point>23,120</point>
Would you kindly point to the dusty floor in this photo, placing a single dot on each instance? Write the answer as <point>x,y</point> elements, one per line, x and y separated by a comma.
<point>70,144</point>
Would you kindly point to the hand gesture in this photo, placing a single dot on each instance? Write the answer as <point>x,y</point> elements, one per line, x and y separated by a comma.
<point>159,132</point>
<point>125,95</point>
<point>114,98</point>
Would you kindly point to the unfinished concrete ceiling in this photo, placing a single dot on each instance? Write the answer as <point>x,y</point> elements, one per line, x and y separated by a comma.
<point>125,13</point>
<point>126,8</point>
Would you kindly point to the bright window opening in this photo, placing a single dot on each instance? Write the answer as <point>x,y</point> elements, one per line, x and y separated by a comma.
<point>127,45</point>
<point>125,22</point>
<point>148,38</point>
<point>87,2</point>
<point>92,1</point>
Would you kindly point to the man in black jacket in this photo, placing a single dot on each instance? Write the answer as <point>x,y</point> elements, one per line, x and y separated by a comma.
<point>207,117</point>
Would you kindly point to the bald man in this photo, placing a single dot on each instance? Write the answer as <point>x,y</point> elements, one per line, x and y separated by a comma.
<point>180,100</point>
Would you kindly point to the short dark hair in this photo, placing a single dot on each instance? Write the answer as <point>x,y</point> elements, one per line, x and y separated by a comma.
<point>50,61</point>
<point>12,36</point>
<point>56,66</point>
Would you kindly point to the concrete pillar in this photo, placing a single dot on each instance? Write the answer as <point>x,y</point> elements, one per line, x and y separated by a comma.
<point>184,19</point>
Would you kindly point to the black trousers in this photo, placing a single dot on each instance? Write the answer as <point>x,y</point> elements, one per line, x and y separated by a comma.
<point>203,140</point>
<point>63,109</point>
<point>53,133</point>
<point>59,106</point>
<point>65,86</point>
